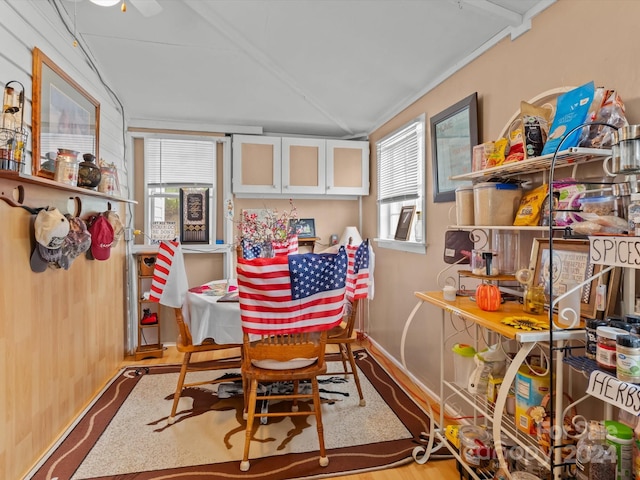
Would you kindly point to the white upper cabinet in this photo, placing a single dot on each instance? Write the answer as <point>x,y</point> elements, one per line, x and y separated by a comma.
<point>303,165</point>
<point>256,164</point>
<point>347,167</point>
<point>286,166</point>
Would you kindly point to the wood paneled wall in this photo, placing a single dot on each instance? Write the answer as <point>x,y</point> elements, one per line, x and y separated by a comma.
<point>61,331</point>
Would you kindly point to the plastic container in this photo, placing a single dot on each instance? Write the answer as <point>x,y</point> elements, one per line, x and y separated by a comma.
<point>591,345</point>
<point>620,437</point>
<point>463,363</point>
<point>628,358</point>
<point>464,205</point>
<point>475,446</point>
<point>495,203</point>
<point>600,205</point>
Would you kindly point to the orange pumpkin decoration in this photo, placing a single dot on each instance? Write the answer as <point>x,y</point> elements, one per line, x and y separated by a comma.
<point>488,297</point>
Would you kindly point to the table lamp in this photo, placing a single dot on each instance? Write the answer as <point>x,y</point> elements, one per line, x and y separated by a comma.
<point>350,236</point>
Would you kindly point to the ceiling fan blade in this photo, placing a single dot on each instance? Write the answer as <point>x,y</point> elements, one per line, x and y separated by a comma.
<point>148,8</point>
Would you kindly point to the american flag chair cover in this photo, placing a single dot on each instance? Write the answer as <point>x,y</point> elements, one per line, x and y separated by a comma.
<point>288,301</point>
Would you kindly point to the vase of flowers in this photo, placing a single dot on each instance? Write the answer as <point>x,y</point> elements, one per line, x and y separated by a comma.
<point>259,234</point>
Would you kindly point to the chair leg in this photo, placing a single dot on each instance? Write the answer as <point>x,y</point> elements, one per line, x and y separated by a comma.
<point>251,411</point>
<point>317,407</point>
<point>296,390</point>
<point>178,394</point>
<point>354,370</point>
<point>344,356</point>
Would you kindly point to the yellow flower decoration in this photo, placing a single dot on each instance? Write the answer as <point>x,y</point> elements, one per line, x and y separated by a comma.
<point>525,323</point>
<point>537,414</point>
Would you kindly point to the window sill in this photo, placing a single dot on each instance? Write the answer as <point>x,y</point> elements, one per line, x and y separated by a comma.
<point>411,247</point>
<point>186,248</point>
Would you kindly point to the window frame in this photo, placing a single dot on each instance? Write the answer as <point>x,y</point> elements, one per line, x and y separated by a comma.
<point>213,191</point>
<point>386,240</point>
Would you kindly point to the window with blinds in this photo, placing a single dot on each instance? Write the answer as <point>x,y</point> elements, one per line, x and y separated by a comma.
<point>400,158</point>
<point>174,166</point>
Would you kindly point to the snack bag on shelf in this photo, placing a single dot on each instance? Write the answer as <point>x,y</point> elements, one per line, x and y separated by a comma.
<point>481,155</point>
<point>610,110</point>
<point>496,158</point>
<point>516,145</point>
<point>571,111</point>
<point>535,122</point>
<point>567,190</point>
<point>531,203</point>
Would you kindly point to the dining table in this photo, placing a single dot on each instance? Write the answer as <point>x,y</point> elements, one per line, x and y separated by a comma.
<point>210,315</point>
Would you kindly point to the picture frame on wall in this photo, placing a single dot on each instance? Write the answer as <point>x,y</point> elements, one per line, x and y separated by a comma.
<point>304,227</point>
<point>454,133</point>
<point>63,116</point>
<point>194,218</point>
<point>403,230</point>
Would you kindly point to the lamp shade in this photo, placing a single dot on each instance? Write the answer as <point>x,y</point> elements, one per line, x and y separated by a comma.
<point>350,236</point>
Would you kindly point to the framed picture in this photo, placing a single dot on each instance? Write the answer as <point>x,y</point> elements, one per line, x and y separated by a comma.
<point>194,218</point>
<point>454,133</point>
<point>304,227</point>
<point>404,223</point>
<point>570,265</point>
<point>64,116</point>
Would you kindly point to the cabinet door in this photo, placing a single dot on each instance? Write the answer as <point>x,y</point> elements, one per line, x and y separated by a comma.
<point>347,167</point>
<point>303,165</point>
<point>256,164</point>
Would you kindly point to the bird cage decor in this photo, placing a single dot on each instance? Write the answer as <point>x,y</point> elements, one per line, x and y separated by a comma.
<point>13,134</point>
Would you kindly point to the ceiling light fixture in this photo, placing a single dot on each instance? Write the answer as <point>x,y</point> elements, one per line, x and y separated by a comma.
<point>105,3</point>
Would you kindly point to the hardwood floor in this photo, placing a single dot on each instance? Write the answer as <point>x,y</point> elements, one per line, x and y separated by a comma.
<point>436,468</point>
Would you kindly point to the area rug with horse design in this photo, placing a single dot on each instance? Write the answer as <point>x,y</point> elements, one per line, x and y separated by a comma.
<point>124,434</point>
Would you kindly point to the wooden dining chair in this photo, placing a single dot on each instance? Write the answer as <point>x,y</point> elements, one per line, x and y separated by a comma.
<point>285,327</point>
<point>358,278</point>
<point>343,336</point>
<point>169,287</point>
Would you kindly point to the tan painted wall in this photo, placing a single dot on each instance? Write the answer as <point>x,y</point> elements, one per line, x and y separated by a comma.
<point>571,43</point>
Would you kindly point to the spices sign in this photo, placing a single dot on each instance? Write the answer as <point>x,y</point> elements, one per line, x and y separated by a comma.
<point>616,251</point>
<point>608,388</point>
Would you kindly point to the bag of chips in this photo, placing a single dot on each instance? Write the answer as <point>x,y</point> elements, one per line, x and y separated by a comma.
<point>530,207</point>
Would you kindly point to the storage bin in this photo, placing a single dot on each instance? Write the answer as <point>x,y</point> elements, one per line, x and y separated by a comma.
<point>495,203</point>
<point>464,205</point>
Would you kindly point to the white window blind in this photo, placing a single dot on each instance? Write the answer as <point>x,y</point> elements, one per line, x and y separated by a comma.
<point>179,162</point>
<point>399,156</point>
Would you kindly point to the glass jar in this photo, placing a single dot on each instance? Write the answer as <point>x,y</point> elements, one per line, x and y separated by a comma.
<point>108,181</point>
<point>595,459</point>
<point>66,167</point>
<point>633,215</point>
<point>418,227</point>
<point>606,348</point>
<point>534,300</point>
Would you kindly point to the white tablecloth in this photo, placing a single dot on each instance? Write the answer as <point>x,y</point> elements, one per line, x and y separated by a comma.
<point>209,318</point>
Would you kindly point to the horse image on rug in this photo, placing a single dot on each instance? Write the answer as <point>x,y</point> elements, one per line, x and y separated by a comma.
<point>229,397</point>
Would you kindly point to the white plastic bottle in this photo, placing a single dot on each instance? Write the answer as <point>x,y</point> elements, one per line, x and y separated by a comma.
<point>621,437</point>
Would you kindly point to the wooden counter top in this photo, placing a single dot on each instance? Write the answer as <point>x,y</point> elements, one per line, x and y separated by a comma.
<point>464,307</point>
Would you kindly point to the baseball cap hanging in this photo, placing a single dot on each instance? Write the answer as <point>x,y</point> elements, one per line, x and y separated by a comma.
<point>76,242</point>
<point>101,238</point>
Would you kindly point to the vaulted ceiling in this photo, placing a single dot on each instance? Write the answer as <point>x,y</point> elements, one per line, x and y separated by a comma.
<point>335,68</point>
